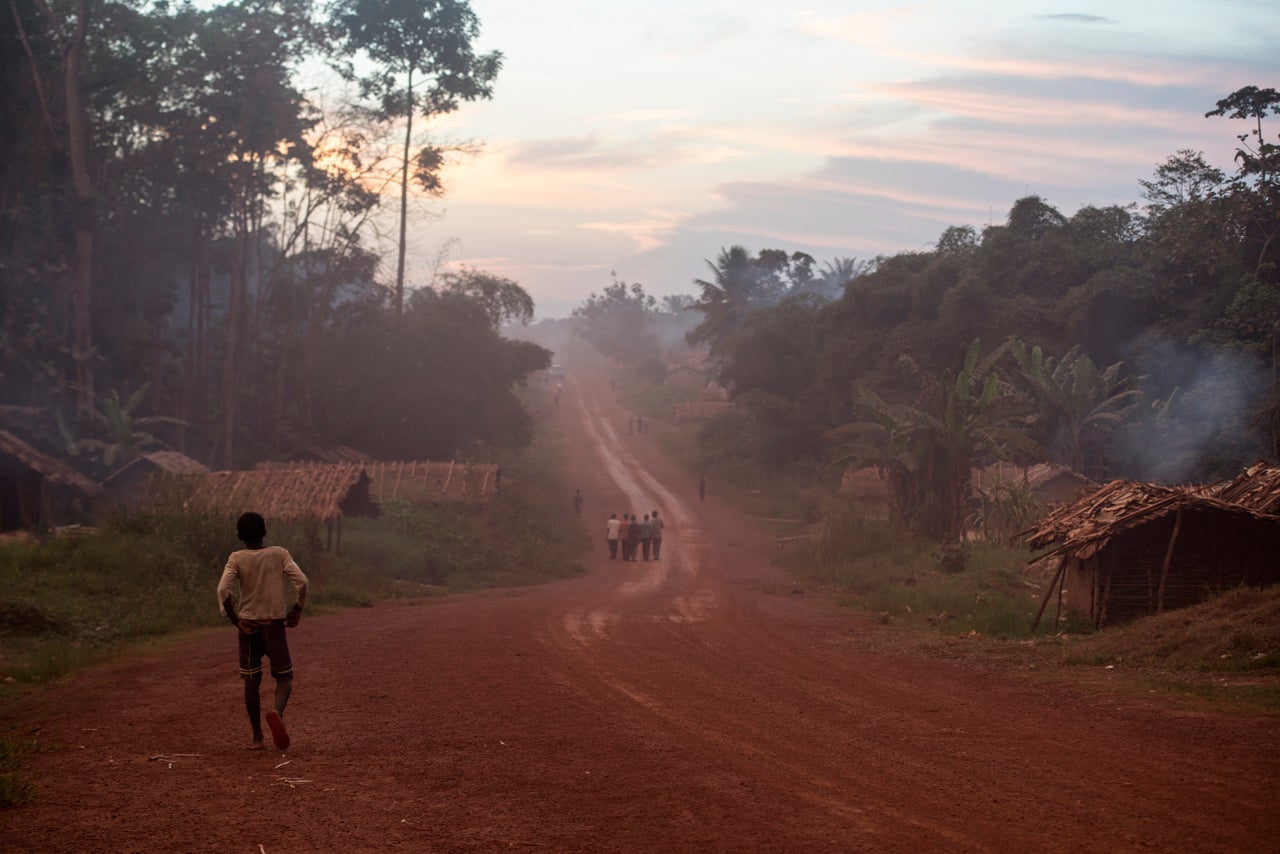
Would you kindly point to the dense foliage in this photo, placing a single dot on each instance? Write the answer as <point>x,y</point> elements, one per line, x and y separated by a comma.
<point>188,254</point>
<point>1121,341</point>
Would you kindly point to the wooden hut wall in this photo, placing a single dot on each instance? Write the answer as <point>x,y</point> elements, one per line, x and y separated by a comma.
<point>1077,588</point>
<point>1213,552</point>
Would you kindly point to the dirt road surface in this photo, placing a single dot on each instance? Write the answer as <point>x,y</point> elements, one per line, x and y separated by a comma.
<point>695,703</point>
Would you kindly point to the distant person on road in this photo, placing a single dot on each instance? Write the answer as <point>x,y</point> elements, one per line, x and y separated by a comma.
<point>577,502</point>
<point>623,531</point>
<point>646,536</point>
<point>702,488</point>
<point>633,537</point>
<point>656,536</point>
<point>611,535</point>
<point>259,572</point>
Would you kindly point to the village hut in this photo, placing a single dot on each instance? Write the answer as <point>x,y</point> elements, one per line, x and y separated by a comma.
<point>131,485</point>
<point>1257,488</point>
<point>1046,483</point>
<point>868,490</point>
<point>295,493</point>
<point>38,492</point>
<point>1129,550</point>
<point>692,370</point>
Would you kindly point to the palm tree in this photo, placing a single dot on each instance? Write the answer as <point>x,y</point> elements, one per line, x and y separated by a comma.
<point>677,303</point>
<point>835,275</point>
<point>736,287</point>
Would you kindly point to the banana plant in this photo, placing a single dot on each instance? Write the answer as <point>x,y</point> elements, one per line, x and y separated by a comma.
<point>929,448</point>
<point>1078,404</point>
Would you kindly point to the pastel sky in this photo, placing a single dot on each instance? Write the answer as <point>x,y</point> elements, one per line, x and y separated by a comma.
<point>642,136</point>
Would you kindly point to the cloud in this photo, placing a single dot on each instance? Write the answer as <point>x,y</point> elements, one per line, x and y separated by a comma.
<point>1077,18</point>
<point>647,232</point>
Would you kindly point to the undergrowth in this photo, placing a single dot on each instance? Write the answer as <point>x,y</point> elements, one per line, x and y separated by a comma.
<point>70,602</point>
<point>906,579</point>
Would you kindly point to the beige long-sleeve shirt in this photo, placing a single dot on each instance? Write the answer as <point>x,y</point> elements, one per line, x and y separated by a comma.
<point>261,574</point>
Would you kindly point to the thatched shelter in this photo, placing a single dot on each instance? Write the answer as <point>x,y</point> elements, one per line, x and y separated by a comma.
<point>690,370</point>
<point>417,482</point>
<point>868,489</point>
<point>37,491</point>
<point>1047,483</point>
<point>322,493</point>
<point>129,485</point>
<point>1257,488</point>
<point>1132,549</point>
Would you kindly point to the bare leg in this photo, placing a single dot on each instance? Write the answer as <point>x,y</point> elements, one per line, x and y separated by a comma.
<point>253,706</point>
<point>284,687</point>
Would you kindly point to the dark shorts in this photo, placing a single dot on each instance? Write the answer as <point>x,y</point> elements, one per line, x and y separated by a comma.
<point>267,638</point>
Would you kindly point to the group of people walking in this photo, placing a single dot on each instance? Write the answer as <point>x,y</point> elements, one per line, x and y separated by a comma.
<point>634,537</point>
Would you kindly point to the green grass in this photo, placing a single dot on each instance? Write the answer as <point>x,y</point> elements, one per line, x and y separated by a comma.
<point>904,579</point>
<point>72,602</point>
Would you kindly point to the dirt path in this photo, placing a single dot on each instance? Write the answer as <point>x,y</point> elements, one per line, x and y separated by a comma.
<point>687,704</point>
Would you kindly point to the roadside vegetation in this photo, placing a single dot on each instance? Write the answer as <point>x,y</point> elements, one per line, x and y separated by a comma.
<point>71,601</point>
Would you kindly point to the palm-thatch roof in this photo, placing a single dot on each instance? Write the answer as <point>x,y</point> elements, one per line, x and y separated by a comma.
<point>1084,527</point>
<point>1257,488</point>
<point>326,491</point>
<point>167,462</point>
<point>54,471</point>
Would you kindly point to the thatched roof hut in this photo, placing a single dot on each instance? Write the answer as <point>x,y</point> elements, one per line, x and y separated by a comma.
<point>689,370</point>
<point>1132,549</point>
<point>37,490</point>
<point>324,492</point>
<point>129,484</point>
<point>1257,488</point>
<point>868,489</point>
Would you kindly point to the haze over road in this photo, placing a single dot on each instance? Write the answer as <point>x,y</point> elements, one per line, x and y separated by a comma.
<point>696,703</point>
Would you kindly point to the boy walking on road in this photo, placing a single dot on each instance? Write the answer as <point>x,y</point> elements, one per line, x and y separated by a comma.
<point>260,572</point>
<point>656,536</point>
<point>611,535</point>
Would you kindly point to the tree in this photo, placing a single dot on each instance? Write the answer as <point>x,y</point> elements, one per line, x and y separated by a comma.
<point>435,381</point>
<point>739,285</point>
<point>617,322</point>
<point>1184,177</point>
<point>930,447</point>
<point>1256,155</point>
<point>677,303</point>
<point>503,299</point>
<point>1078,405</point>
<point>72,135</point>
<point>426,65</point>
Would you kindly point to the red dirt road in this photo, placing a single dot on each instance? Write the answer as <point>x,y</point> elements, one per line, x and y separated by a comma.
<point>684,705</point>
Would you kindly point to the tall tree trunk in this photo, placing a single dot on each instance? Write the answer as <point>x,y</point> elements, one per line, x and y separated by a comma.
<point>404,194</point>
<point>81,290</point>
<point>231,368</point>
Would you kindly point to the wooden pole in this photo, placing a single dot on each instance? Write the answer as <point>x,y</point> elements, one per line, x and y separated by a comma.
<point>1168,557</point>
<point>1106,590</point>
<point>1062,565</point>
<point>1057,615</point>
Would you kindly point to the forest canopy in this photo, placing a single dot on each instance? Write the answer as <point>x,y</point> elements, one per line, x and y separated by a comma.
<point>189,254</point>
